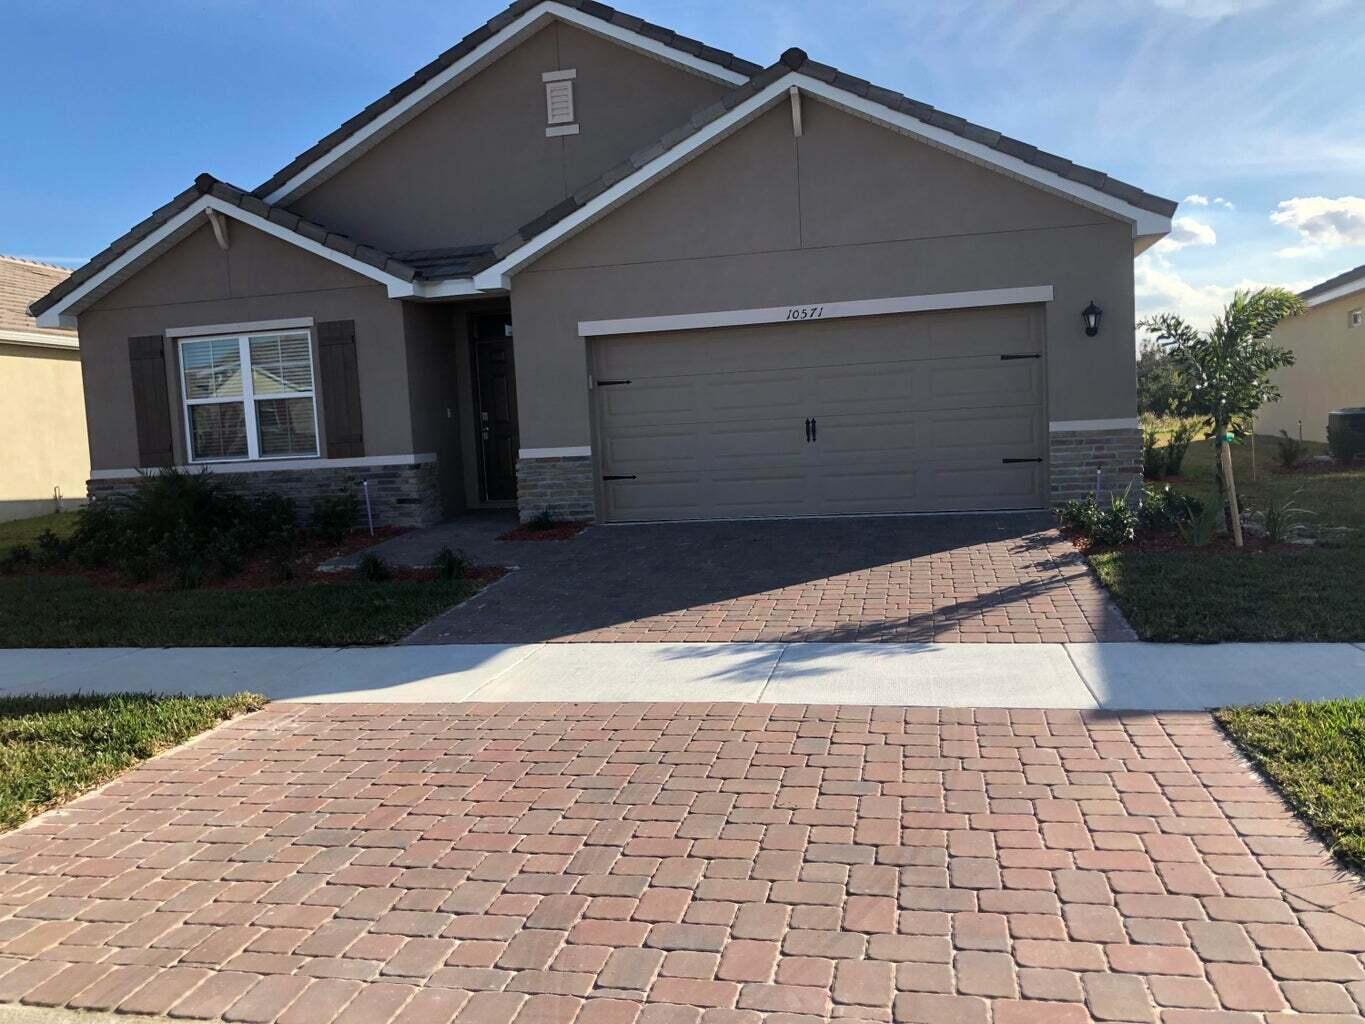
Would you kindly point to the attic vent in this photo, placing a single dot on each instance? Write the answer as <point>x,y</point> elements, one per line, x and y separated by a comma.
<point>559,106</point>
<point>1356,318</point>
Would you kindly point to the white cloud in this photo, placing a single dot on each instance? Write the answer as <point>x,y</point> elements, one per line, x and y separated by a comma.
<point>1322,223</point>
<point>1211,8</point>
<point>1225,203</point>
<point>1186,232</point>
<point>1197,200</point>
<point>1159,288</point>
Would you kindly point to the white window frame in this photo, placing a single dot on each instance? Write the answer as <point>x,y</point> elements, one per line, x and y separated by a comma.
<point>248,396</point>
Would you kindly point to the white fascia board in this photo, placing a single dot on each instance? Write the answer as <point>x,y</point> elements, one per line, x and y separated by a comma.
<point>808,312</point>
<point>64,311</point>
<point>1144,222</point>
<point>37,339</point>
<point>1339,292</point>
<point>472,61</point>
<point>453,287</point>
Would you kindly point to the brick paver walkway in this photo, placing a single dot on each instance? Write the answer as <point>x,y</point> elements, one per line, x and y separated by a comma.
<point>996,579</point>
<point>698,864</point>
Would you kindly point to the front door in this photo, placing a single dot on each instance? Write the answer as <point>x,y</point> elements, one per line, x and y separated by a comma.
<point>495,386</point>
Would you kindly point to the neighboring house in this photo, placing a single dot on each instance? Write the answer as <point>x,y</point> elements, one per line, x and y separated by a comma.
<point>1328,342</point>
<point>581,263</point>
<point>44,457</point>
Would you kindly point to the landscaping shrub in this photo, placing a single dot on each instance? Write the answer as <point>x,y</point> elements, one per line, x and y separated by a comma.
<point>1164,509</point>
<point>544,520</point>
<point>373,569</point>
<point>1201,527</point>
<point>1153,457</point>
<point>1117,524</point>
<point>451,565</point>
<point>1281,516</point>
<point>335,515</point>
<point>1079,514</point>
<point>1177,445</point>
<point>1289,450</point>
<point>19,557</point>
<point>52,549</point>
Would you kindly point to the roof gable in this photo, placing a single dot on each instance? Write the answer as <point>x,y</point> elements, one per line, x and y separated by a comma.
<point>469,56</point>
<point>1338,287</point>
<point>1149,214</point>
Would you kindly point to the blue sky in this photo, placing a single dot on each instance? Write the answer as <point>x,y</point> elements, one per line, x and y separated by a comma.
<point>1249,111</point>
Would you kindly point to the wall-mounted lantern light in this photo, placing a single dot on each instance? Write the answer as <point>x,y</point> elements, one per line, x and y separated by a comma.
<point>1091,315</point>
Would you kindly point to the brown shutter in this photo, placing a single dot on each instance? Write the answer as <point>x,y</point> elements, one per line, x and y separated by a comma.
<point>151,402</point>
<point>340,390</point>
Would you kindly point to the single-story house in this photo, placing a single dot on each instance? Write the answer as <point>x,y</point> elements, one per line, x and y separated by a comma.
<point>44,457</point>
<point>1328,342</point>
<point>582,264</point>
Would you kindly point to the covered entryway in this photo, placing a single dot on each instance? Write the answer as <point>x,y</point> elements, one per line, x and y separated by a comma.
<point>917,412</point>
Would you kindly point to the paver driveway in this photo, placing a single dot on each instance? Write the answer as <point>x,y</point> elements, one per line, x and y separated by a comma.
<point>986,578</point>
<point>548,864</point>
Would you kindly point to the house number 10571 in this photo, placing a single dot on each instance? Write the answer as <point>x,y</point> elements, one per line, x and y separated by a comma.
<point>805,312</point>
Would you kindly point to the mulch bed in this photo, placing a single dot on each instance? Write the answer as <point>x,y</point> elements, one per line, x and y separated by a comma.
<point>1168,543</point>
<point>559,531</point>
<point>263,572</point>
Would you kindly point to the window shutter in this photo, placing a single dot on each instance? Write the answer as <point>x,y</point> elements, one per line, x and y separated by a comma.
<point>151,401</point>
<point>340,390</point>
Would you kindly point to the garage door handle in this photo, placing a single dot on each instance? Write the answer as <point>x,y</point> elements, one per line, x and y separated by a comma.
<point>814,429</point>
<point>808,430</point>
<point>1009,461</point>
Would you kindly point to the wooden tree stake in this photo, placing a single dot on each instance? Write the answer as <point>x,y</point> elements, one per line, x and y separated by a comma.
<point>1225,455</point>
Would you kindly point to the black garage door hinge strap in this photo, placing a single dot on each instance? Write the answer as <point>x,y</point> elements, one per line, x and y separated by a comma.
<point>1026,355</point>
<point>1008,461</point>
<point>612,383</point>
<point>619,477</point>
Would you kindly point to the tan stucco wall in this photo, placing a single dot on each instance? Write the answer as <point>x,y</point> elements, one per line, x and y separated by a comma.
<point>257,278</point>
<point>476,165</point>
<point>1328,371</point>
<point>848,211</point>
<point>42,430</point>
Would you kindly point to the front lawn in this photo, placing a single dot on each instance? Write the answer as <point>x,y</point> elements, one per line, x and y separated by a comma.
<point>1315,754</point>
<point>1216,594</point>
<point>55,748</point>
<point>70,611</point>
<point>18,532</point>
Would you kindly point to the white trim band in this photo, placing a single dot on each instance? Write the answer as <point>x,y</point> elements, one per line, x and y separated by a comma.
<point>37,339</point>
<point>1076,426</point>
<point>581,452</point>
<point>272,465</point>
<point>298,323</point>
<point>816,311</point>
<point>1339,292</point>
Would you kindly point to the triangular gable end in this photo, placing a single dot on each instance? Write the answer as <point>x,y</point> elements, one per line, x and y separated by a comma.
<point>475,52</point>
<point>1149,216</point>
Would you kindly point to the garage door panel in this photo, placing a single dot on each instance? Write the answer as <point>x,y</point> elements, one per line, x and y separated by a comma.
<point>915,413</point>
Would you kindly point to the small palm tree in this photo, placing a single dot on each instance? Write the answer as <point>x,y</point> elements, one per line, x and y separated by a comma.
<point>1225,372</point>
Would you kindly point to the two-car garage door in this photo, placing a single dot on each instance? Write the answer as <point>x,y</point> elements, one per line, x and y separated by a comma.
<point>922,412</point>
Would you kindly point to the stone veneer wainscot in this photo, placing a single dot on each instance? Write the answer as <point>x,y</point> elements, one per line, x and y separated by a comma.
<point>1074,456</point>
<point>401,494</point>
<point>564,486</point>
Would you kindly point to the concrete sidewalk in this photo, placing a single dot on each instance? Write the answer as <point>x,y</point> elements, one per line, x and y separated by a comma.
<point>1121,676</point>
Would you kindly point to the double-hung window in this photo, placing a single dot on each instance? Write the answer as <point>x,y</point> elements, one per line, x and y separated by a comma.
<point>249,396</point>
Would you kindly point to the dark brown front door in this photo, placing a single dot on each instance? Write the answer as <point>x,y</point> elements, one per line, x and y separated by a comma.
<point>495,385</point>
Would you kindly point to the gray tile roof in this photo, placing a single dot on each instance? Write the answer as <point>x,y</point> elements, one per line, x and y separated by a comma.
<point>1350,276</point>
<point>490,28</point>
<point>439,264</point>
<point>797,60</point>
<point>204,185</point>
<point>22,281</point>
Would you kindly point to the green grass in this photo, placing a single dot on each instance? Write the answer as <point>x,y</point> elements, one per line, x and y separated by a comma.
<point>26,531</point>
<point>69,611</point>
<point>1206,595</point>
<point>1315,754</point>
<point>55,748</point>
